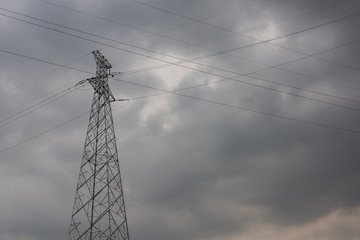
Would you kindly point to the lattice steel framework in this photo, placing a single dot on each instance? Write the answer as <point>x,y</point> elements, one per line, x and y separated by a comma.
<point>99,210</point>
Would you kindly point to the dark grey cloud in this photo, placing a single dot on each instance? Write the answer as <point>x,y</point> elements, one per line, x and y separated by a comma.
<point>191,169</point>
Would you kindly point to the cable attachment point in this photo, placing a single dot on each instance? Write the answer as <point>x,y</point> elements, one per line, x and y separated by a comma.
<point>122,100</point>
<point>113,74</point>
<point>81,83</point>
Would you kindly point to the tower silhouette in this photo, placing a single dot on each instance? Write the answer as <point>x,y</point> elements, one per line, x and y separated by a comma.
<point>99,209</point>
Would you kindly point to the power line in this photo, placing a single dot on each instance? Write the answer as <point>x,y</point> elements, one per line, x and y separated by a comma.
<point>249,75</point>
<point>213,67</point>
<point>153,33</point>
<point>181,59</point>
<point>240,108</point>
<point>232,106</point>
<point>167,55</point>
<point>50,129</point>
<point>192,60</point>
<point>192,44</point>
<point>44,61</point>
<point>44,74</point>
<point>260,41</point>
<point>42,133</point>
<point>297,16</point>
<point>175,92</point>
<point>195,98</point>
<point>91,40</point>
<point>143,29</point>
<point>184,60</point>
<point>45,100</point>
<point>264,69</point>
<point>39,97</point>
<point>31,109</point>
<point>197,45</point>
<point>228,78</point>
<point>224,79</point>
<point>198,99</point>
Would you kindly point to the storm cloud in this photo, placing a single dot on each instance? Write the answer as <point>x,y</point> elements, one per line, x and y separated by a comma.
<point>242,123</point>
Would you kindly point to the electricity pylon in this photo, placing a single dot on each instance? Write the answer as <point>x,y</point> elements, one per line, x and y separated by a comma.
<point>99,209</point>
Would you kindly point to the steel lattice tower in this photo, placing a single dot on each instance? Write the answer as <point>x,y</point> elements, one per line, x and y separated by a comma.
<point>99,210</point>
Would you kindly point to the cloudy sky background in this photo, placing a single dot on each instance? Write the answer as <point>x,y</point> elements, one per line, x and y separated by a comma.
<point>243,119</point>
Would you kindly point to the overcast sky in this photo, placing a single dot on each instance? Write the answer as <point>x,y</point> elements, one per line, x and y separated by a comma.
<point>242,124</point>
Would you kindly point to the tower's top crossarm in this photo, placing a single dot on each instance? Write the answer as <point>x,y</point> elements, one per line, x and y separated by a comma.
<point>102,65</point>
<point>100,81</point>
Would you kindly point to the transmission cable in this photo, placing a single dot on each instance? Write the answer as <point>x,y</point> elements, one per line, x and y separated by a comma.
<point>172,63</point>
<point>44,74</point>
<point>192,44</point>
<point>44,61</point>
<point>31,109</point>
<point>202,100</point>
<point>142,29</point>
<point>42,133</point>
<point>270,67</point>
<point>39,97</point>
<point>268,41</point>
<point>196,45</point>
<point>239,107</point>
<point>164,54</point>
<point>167,92</point>
<point>198,99</point>
<point>50,129</point>
<point>228,78</point>
<point>183,95</point>
<point>179,63</point>
<point>297,16</point>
